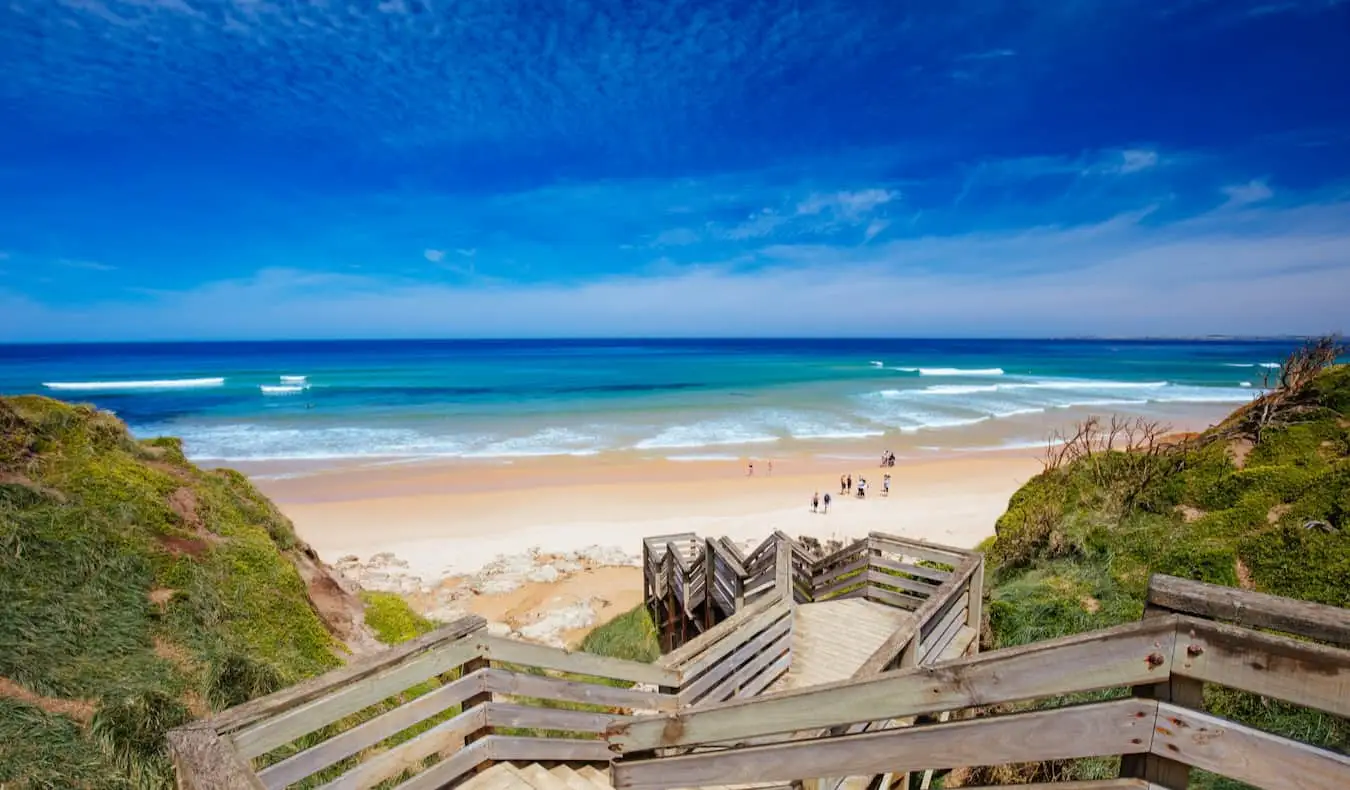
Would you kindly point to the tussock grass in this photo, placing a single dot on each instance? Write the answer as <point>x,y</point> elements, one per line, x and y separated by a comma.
<point>129,578</point>
<point>1068,557</point>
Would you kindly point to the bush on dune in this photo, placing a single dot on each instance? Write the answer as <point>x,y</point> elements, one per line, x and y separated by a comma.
<point>1261,501</point>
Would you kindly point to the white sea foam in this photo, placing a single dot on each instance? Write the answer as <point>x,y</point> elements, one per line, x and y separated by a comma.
<point>1269,365</point>
<point>152,384</point>
<point>957,389</point>
<point>1239,364</point>
<point>703,457</point>
<point>281,389</point>
<point>877,364</point>
<point>294,379</point>
<point>960,371</point>
<point>548,442</point>
<point>710,433</point>
<point>1244,384</point>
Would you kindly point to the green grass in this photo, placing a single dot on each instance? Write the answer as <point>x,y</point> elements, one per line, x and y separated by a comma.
<point>1071,556</point>
<point>130,579</point>
<point>392,620</point>
<point>631,636</point>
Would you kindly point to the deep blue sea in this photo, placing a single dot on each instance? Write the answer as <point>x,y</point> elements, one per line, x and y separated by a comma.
<point>686,399</point>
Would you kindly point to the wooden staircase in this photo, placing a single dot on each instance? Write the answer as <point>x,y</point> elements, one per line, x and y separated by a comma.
<point>533,776</point>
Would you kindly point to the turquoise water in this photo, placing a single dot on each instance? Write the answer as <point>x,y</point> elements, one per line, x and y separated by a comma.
<point>683,399</point>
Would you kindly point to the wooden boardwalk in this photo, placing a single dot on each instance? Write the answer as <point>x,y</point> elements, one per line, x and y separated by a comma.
<point>832,639</point>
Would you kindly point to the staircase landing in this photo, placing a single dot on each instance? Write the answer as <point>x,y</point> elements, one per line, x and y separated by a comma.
<point>832,639</point>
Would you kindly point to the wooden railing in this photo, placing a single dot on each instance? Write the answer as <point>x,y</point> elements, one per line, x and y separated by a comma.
<point>1161,731</point>
<point>679,569</point>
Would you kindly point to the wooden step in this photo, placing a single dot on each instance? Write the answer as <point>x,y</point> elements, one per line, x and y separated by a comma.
<point>498,777</point>
<point>594,775</point>
<point>540,779</point>
<point>572,779</point>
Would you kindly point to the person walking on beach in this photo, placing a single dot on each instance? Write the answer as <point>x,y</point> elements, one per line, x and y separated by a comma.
<point>848,483</point>
<point>827,502</point>
<point>886,485</point>
<point>750,469</point>
<point>843,484</point>
<point>815,501</point>
<point>770,467</point>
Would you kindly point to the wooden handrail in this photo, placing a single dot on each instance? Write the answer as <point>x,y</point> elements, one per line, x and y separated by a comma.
<point>1251,609</point>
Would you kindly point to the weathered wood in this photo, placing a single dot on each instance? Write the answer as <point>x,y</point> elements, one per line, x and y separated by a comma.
<point>448,770</point>
<point>1107,728</point>
<point>448,736</point>
<point>263,736</point>
<point>527,654</point>
<point>828,590</point>
<point>975,610</point>
<point>1097,784</point>
<point>355,671</point>
<point>766,678</point>
<point>694,691</point>
<point>369,733</point>
<point>501,747</point>
<point>924,550</point>
<point>946,629</point>
<point>1126,655</point>
<point>937,606</point>
<point>828,575</point>
<point>1251,609</point>
<point>751,664</point>
<point>1246,754</point>
<point>514,684</point>
<point>899,600</point>
<point>936,577</point>
<point>1304,673</point>
<point>875,577</point>
<point>204,760</point>
<point>732,638</point>
<point>501,714</point>
<point>782,580</point>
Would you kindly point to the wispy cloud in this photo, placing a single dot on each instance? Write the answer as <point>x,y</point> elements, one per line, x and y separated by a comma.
<point>92,266</point>
<point>1234,271</point>
<point>988,54</point>
<point>1254,191</point>
<point>435,256</point>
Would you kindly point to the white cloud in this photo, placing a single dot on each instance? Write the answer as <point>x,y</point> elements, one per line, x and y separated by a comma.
<point>1235,271</point>
<point>848,205</point>
<point>92,266</point>
<point>1132,160</point>
<point>1254,191</point>
<point>468,252</point>
<point>435,256</point>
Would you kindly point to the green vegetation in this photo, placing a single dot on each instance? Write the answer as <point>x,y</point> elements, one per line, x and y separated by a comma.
<point>1261,501</point>
<point>136,592</point>
<point>631,635</point>
<point>392,620</point>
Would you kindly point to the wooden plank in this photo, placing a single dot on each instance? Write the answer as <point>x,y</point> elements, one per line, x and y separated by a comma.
<point>204,760</point>
<point>369,733</point>
<point>515,684</point>
<point>1251,609</point>
<point>766,678</point>
<point>975,612</point>
<point>941,604</point>
<point>501,714</point>
<point>751,665</point>
<point>264,736</point>
<point>946,629</point>
<point>448,770</point>
<point>923,549</point>
<point>355,671</point>
<point>724,647</point>
<point>1095,730</point>
<point>676,659</point>
<point>1245,754</point>
<point>527,654</point>
<point>1095,784</point>
<point>502,747</point>
<point>828,575</point>
<point>448,736</point>
<point>936,577</point>
<point>875,577</point>
<point>696,690</point>
<point>899,600</point>
<point>829,590</point>
<point>1126,655</point>
<point>1304,673</point>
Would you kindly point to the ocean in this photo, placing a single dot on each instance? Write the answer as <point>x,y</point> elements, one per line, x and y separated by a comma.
<point>378,401</point>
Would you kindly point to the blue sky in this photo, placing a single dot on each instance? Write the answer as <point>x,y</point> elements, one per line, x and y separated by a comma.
<point>271,168</point>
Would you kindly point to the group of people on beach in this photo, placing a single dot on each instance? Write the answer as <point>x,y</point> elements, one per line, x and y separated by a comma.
<point>846,485</point>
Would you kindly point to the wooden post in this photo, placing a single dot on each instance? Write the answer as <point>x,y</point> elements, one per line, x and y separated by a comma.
<point>975,607</point>
<point>1186,692</point>
<point>782,579</point>
<point>668,570</point>
<point>483,698</point>
<point>709,584</point>
<point>203,760</point>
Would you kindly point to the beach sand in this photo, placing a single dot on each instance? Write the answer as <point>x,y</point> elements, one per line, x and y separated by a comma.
<point>451,519</point>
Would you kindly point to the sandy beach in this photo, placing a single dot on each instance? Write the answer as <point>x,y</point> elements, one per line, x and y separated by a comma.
<point>446,520</point>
